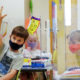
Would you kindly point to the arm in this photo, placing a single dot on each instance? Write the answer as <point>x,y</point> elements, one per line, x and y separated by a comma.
<point>1,42</point>
<point>9,76</point>
<point>1,18</point>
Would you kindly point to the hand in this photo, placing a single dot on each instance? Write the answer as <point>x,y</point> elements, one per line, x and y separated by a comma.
<point>1,78</point>
<point>1,17</point>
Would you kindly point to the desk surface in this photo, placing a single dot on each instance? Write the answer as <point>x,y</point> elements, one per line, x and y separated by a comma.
<point>33,69</point>
<point>49,67</point>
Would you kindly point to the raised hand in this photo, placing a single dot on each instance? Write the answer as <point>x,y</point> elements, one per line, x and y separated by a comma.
<point>1,16</point>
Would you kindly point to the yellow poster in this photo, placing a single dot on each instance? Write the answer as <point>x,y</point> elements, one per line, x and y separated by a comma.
<point>34,24</point>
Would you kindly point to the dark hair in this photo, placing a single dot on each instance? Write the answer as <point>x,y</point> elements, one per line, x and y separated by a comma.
<point>21,32</point>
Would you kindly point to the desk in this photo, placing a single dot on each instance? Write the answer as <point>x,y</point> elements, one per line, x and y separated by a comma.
<point>36,69</point>
<point>43,70</point>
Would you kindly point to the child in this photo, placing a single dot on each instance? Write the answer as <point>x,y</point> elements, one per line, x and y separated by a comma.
<point>10,58</point>
<point>31,52</point>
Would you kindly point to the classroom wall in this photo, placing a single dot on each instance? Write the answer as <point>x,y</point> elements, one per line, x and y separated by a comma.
<point>60,38</point>
<point>40,10</point>
<point>15,14</point>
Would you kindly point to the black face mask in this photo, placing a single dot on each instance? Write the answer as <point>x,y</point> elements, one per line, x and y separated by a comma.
<point>14,46</point>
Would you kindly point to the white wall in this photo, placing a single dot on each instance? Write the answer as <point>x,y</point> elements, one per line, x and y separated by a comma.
<point>15,13</point>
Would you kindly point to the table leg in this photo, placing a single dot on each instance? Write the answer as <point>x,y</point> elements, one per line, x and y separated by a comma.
<point>44,76</point>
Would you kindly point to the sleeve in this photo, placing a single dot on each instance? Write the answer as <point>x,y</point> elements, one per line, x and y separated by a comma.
<point>18,63</point>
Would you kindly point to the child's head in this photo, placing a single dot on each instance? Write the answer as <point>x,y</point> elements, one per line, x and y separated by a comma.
<point>18,36</point>
<point>32,40</point>
<point>74,42</point>
<point>74,37</point>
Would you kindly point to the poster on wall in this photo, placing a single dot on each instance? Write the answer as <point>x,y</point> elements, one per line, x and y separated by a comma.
<point>33,24</point>
<point>54,23</point>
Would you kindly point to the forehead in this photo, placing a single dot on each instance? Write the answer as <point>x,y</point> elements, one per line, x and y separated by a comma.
<point>32,37</point>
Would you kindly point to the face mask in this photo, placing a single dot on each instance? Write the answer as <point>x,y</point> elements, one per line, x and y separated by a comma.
<point>14,46</point>
<point>74,47</point>
<point>31,44</point>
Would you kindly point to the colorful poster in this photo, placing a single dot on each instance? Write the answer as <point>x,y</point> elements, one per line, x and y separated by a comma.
<point>34,24</point>
<point>54,23</point>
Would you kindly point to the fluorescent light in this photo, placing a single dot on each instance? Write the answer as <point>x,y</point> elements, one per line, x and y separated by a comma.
<point>67,11</point>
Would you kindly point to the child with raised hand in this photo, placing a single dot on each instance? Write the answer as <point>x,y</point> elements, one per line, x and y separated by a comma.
<point>10,59</point>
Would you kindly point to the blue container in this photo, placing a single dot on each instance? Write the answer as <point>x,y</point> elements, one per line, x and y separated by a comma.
<point>37,65</point>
